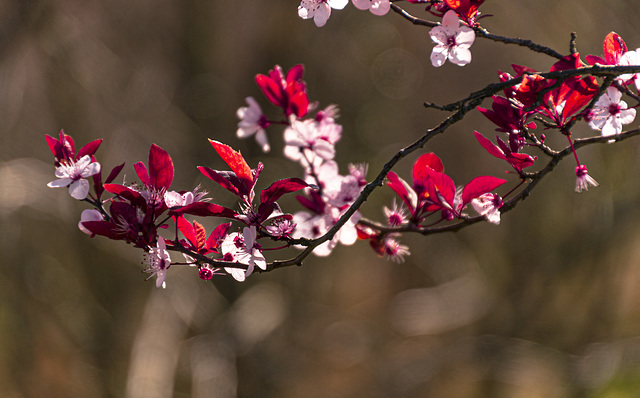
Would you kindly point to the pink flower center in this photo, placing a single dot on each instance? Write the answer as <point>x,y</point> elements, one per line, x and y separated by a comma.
<point>614,109</point>
<point>205,273</point>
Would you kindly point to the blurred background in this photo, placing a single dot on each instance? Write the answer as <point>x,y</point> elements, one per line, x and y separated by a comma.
<point>545,305</point>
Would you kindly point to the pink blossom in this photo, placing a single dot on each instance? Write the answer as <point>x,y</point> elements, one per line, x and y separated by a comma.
<point>488,205</point>
<point>319,10</point>
<point>159,262</point>
<point>584,180</point>
<point>253,122</point>
<point>377,7</point>
<point>394,250</point>
<point>610,113</point>
<point>73,173</point>
<point>309,141</point>
<point>312,226</point>
<point>245,250</point>
<point>176,199</point>
<point>281,227</point>
<point>630,58</point>
<point>452,41</point>
<point>396,215</point>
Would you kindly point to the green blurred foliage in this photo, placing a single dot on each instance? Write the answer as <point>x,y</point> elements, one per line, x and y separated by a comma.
<point>545,305</point>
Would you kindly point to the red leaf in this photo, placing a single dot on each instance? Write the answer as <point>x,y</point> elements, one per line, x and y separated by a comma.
<point>220,178</point>
<point>299,104</point>
<point>236,162</point>
<point>421,171</point>
<point>89,149</point>
<point>188,231</point>
<point>489,146</point>
<point>161,169</point>
<point>55,147</point>
<point>402,189</point>
<point>143,174</point>
<point>281,187</point>
<point>201,234</point>
<point>271,90</point>
<point>125,192</point>
<point>442,184</point>
<point>104,228</point>
<point>205,209</point>
<point>592,60</point>
<point>217,235</point>
<point>114,173</point>
<point>295,74</point>
<point>479,186</point>
<point>614,47</point>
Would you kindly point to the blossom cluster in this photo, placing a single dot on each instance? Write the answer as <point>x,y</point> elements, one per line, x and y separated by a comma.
<point>158,219</point>
<point>559,105</point>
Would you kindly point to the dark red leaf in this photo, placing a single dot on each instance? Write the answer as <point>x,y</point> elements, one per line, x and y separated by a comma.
<point>161,169</point>
<point>104,228</point>
<point>281,187</point>
<point>114,173</point>
<point>205,209</point>
<point>271,90</point>
<point>217,235</point>
<point>143,174</point>
<point>89,149</point>
<point>479,186</point>
<point>188,231</point>
<point>222,178</point>
<point>126,192</point>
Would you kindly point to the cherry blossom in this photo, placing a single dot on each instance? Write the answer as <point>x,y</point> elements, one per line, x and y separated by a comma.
<point>394,250</point>
<point>73,173</point>
<point>243,249</point>
<point>584,180</point>
<point>63,148</point>
<point>488,205</point>
<point>281,227</point>
<point>384,245</point>
<point>175,199</point>
<point>253,122</point>
<point>159,262</point>
<point>377,7</point>
<point>630,58</point>
<point>452,41</point>
<point>396,215</point>
<point>309,141</point>
<point>314,225</point>
<point>610,113</point>
<point>319,10</point>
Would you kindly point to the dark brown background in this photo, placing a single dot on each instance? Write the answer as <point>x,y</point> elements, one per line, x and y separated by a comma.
<point>545,305</point>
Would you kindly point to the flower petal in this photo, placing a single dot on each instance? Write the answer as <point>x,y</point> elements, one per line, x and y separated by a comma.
<point>79,189</point>
<point>62,182</point>
<point>439,55</point>
<point>460,56</point>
